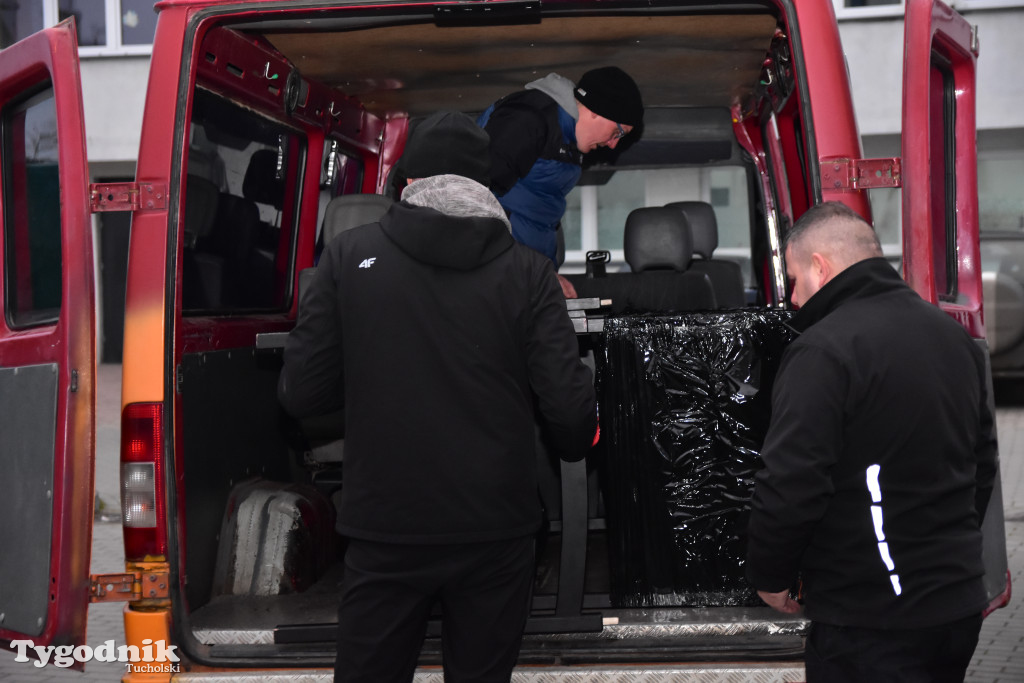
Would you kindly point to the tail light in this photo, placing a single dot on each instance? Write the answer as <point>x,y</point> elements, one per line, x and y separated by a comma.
<point>143,511</point>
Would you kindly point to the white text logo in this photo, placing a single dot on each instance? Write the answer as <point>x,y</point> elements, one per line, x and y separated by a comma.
<point>367,262</point>
<point>66,655</point>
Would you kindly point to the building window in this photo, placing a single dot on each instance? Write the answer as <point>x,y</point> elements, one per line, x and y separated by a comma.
<point>105,27</point>
<point>862,9</point>
<point>19,19</point>
<point>138,22</point>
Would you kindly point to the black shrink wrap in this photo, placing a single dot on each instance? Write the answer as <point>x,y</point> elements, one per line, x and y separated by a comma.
<point>685,402</point>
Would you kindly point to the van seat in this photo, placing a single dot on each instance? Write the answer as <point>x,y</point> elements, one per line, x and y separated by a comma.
<point>726,276</point>
<point>352,210</point>
<point>659,249</point>
<point>202,273</point>
<point>233,238</point>
<point>261,183</point>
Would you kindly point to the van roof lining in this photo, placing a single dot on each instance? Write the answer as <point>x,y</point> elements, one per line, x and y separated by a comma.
<point>695,60</point>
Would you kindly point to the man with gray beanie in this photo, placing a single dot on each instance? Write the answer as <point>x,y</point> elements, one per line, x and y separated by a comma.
<point>538,138</point>
<point>443,339</point>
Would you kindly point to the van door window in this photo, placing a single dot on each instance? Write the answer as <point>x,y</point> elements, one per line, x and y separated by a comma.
<point>241,194</point>
<point>32,221</point>
<point>942,111</point>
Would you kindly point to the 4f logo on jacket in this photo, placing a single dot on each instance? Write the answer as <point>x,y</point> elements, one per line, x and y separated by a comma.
<point>367,262</point>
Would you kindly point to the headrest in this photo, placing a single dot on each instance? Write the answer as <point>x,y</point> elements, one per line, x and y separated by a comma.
<point>261,183</point>
<point>352,210</point>
<point>703,226</point>
<point>201,197</point>
<point>657,237</point>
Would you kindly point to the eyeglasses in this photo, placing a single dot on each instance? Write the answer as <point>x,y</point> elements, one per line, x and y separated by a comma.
<point>619,132</point>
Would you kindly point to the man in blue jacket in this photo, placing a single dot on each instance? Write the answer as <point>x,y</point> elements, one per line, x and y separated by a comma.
<point>538,138</point>
<point>878,466</point>
<point>443,339</point>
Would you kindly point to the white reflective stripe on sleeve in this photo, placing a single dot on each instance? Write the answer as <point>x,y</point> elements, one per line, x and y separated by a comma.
<point>876,517</point>
<point>883,550</point>
<point>876,490</point>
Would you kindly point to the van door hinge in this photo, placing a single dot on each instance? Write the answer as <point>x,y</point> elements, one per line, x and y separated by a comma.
<point>861,174</point>
<point>125,587</point>
<point>127,196</point>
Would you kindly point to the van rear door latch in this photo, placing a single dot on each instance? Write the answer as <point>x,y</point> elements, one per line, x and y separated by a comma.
<point>130,196</point>
<point>139,585</point>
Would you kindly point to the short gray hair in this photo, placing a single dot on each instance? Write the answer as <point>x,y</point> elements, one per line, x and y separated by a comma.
<point>834,229</point>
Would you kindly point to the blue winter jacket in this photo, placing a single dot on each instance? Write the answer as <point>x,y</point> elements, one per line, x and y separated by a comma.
<point>534,160</point>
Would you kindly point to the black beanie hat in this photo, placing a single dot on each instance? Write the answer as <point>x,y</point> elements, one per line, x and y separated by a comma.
<point>611,93</point>
<point>447,142</point>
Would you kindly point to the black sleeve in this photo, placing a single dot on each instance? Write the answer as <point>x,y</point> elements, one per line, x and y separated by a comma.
<point>311,381</point>
<point>518,137</point>
<point>562,383</point>
<point>793,490</point>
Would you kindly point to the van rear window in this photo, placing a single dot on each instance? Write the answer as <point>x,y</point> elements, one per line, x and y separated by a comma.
<point>241,198</point>
<point>32,222</point>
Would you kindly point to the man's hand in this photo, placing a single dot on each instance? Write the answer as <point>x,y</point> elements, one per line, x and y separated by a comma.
<point>567,289</point>
<point>781,601</point>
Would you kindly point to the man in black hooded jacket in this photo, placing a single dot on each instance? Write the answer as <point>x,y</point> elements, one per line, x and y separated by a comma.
<point>879,463</point>
<point>443,339</point>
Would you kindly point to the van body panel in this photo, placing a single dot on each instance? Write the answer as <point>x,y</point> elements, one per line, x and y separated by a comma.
<point>941,251</point>
<point>144,369</point>
<point>47,347</point>
<point>939,153</point>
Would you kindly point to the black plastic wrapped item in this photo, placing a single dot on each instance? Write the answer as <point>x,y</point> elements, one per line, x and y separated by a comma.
<point>685,403</point>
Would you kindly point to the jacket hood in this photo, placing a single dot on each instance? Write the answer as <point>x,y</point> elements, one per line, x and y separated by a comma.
<point>870,277</point>
<point>448,221</point>
<point>560,89</point>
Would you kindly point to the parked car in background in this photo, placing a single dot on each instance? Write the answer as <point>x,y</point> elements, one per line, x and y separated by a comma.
<point>1002,265</point>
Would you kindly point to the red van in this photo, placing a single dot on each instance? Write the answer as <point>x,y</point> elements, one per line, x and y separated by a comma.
<point>265,121</point>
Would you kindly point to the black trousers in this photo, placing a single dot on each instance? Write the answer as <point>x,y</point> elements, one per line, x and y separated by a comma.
<point>938,654</point>
<point>388,593</point>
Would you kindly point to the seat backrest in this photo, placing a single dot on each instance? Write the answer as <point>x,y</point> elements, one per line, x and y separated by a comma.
<point>261,183</point>
<point>700,216</point>
<point>726,276</point>
<point>201,199</point>
<point>202,272</point>
<point>657,238</point>
<point>233,238</point>
<point>352,210</point>
<point>658,248</point>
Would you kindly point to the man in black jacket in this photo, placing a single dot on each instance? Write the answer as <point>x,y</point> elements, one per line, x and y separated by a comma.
<point>878,466</point>
<point>443,339</point>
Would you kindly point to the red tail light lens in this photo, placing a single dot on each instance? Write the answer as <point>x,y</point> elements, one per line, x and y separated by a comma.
<point>143,511</point>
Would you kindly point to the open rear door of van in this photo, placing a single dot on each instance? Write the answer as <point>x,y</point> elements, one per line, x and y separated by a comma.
<point>47,344</point>
<point>940,200</point>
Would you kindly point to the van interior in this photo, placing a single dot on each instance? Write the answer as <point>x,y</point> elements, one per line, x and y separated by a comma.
<point>296,118</point>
